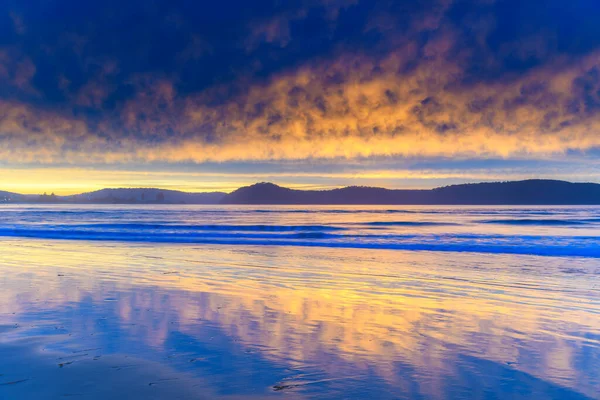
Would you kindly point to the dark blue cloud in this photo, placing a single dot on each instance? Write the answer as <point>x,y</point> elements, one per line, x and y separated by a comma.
<point>134,70</point>
<point>201,44</point>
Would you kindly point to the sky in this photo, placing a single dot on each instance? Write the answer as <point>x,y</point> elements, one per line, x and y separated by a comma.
<point>213,95</point>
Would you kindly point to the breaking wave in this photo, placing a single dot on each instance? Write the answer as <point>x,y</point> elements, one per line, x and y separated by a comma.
<point>566,231</point>
<point>587,246</point>
<point>542,222</point>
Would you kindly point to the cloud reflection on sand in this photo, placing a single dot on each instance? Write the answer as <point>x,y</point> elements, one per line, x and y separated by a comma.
<point>390,323</point>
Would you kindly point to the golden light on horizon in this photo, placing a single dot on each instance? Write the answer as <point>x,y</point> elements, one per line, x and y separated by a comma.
<point>75,180</point>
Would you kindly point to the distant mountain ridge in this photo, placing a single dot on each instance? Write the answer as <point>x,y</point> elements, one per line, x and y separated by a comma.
<point>5,196</point>
<point>146,195</point>
<point>527,192</point>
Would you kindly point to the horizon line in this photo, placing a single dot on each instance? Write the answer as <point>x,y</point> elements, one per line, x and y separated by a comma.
<point>304,188</point>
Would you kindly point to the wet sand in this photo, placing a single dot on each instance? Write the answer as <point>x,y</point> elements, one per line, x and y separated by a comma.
<point>121,320</point>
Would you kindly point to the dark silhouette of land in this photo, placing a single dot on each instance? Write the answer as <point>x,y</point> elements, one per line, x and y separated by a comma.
<point>497,193</point>
<point>119,196</point>
<point>6,197</point>
<point>528,192</point>
<point>146,195</point>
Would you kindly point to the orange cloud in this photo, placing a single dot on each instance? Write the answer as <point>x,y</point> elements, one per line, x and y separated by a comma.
<point>350,107</point>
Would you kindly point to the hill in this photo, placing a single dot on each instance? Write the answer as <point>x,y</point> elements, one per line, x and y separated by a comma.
<point>9,197</point>
<point>145,195</point>
<point>528,192</point>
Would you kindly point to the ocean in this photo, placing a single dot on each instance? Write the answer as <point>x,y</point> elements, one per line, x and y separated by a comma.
<point>319,302</point>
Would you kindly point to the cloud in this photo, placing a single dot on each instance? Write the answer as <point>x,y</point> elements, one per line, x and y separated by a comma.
<point>16,72</point>
<point>98,87</point>
<point>17,21</point>
<point>276,29</point>
<point>331,111</point>
<point>31,135</point>
<point>438,79</point>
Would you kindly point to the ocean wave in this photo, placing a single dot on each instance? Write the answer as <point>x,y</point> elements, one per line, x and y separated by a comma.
<point>495,244</point>
<point>408,223</point>
<point>150,236</point>
<point>208,227</point>
<point>541,222</point>
<point>329,211</point>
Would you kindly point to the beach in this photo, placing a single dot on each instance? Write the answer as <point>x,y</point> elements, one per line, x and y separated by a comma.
<point>325,303</point>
